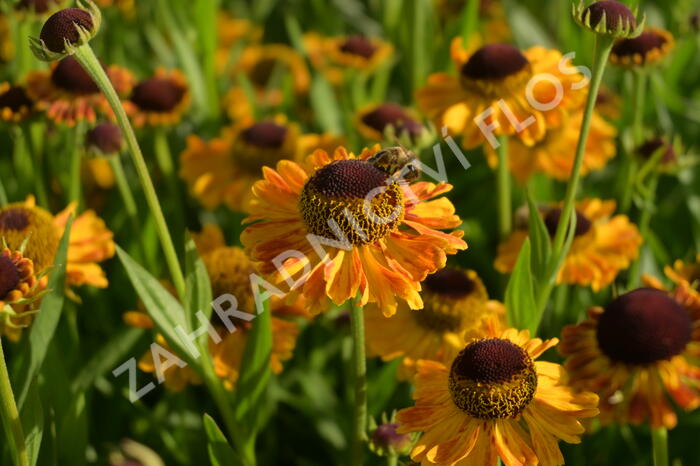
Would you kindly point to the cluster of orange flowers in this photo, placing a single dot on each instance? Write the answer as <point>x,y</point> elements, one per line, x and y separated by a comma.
<point>480,392</point>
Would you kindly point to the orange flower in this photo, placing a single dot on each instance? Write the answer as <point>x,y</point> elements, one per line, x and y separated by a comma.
<point>335,55</point>
<point>642,349</point>
<point>554,154</point>
<point>90,240</point>
<point>494,400</point>
<point>224,170</point>
<point>160,100</point>
<point>495,79</point>
<point>455,308</point>
<point>603,245</point>
<point>380,238</point>
<point>68,94</point>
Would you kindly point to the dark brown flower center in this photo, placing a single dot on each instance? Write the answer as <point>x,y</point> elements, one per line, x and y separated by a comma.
<point>649,148</point>
<point>449,282</point>
<point>266,134</point>
<point>615,13</point>
<point>157,95</point>
<point>262,71</point>
<point>492,378</point>
<point>15,98</point>
<point>643,326</point>
<point>351,198</point>
<point>551,221</point>
<point>9,276</point>
<point>347,179</point>
<point>494,62</point>
<point>643,44</point>
<point>358,45</point>
<point>106,137</point>
<point>70,76</point>
<point>61,27</point>
<point>14,219</point>
<point>392,115</point>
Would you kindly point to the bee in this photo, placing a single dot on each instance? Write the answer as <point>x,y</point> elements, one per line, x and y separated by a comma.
<point>397,162</point>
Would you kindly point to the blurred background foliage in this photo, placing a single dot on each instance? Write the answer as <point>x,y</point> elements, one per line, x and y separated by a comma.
<point>308,418</point>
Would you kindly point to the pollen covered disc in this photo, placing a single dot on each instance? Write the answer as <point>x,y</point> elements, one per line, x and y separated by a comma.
<point>551,221</point>
<point>492,378</point>
<point>616,13</point>
<point>351,199</point>
<point>643,326</point>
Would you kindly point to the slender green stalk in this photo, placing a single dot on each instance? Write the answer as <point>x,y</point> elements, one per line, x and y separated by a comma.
<point>88,60</point>
<point>659,444</point>
<point>644,229</point>
<point>505,222</point>
<point>10,416</point>
<point>470,20</point>
<point>603,45</point>
<point>165,161</point>
<point>638,103</point>
<point>37,157</point>
<point>76,157</point>
<point>359,432</point>
<point>3,194</point>
<point>24,171</point>
<point>392,459</point>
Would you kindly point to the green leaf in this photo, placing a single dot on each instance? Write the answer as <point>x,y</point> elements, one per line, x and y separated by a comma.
<point>198,295</point>
<point>110,355</point>
<point>255,369</point>
<point>540,240</point>
<point>220,452</point>
<point>165,311</point>
<point>32,416</point>
<point>520,296</point>
<point>44,326</point>
<point>325,105</point>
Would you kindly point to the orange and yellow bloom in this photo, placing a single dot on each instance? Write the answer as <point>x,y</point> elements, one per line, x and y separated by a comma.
<point>495,401</point>
<point>638,352</point>
<point>380,238</point>
<point>603,244</point>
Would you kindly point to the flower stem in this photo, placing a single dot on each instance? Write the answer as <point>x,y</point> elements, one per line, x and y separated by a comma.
<point>603,46</point>
<point>86,57</point>
<point>164,158</point>
<point>75,159</point>
<point>644,223</point>
<point>359,432</point>
<point>659,443</point>
<point>10,416</point>
<point>504,196</point>
<point>36,155</point>
<point>630,169</point>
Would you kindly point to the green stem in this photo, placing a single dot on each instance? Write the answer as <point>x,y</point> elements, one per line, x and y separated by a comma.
<point>123,187</point>
<point>24,171</point>
<point>75,159</point>
<point>659,443</point>
<point>3,194</point>
<point>392,459</point>
<point>603,45</point>
<point>644,229</point>
<point>630,169</point>
<point>37,157</point>
<point>503,182</point>
<point>10,416</point>
<point>359,432</point>
<point>88,60</point>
